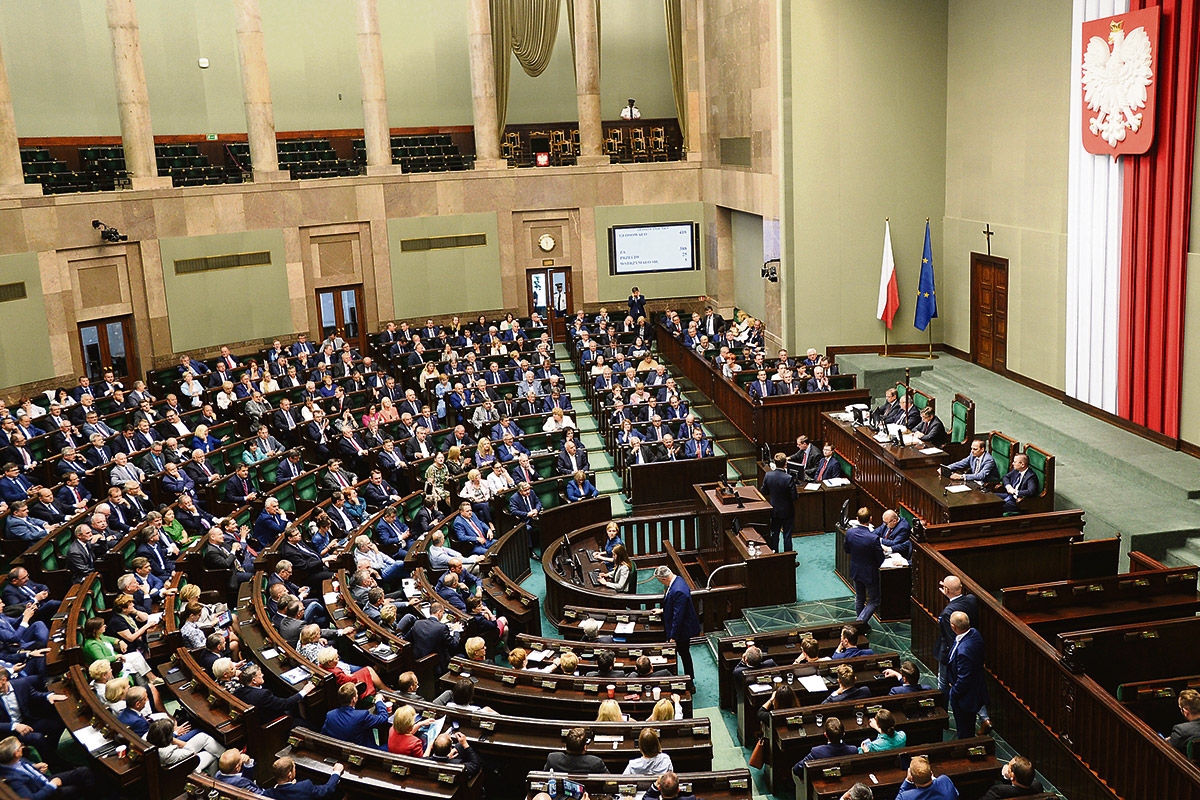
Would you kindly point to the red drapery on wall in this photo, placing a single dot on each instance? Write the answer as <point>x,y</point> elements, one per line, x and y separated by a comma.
<point>1154,236</point>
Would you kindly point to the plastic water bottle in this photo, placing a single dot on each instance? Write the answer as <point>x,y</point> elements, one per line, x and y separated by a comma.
<point>552,785</point>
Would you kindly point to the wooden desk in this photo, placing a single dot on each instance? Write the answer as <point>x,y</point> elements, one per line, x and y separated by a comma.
<point>780,646</point>
<point>626,655</point>
<point>755,686</point>
<point>970,763</point>
<point>793,732</point>
<point>647,624</point>
<point>669,482</point>
<point>518,692</point>
<point>376,773</point>
<point>816,510</point>
<point>514,745</point>
<point>734,784</point>
<point>895,583</point>
<point>892,476</point>
<point>522,608</point>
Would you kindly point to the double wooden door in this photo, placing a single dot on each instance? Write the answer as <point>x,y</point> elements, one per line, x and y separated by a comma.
<point>989,311</point>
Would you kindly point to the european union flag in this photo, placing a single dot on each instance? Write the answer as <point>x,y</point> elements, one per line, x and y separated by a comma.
<point>926,294</point>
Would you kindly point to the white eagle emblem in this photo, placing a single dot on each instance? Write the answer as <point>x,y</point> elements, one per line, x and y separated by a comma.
<point>1115,81</point>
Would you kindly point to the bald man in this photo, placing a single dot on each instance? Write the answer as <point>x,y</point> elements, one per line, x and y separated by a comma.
<point>951,587</point>
<point>968,685</point>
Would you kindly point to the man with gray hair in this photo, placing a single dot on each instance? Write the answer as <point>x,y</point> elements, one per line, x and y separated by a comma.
<point>680,622</point>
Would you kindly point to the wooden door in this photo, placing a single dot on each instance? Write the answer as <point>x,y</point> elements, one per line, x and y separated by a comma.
<point>109,344</point>
<point>338,312</point>
<point>989,311</point>
<point>550,295</point>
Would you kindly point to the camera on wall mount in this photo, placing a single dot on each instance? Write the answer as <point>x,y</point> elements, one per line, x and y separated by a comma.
<point>109,233</point>
<point>770,271</point>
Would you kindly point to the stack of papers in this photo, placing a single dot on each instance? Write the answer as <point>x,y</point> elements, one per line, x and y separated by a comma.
<point>834,482</point>
<point>958,488</point>
<point>624,627</point>
<point>811,487</point>
<point>932,451</point>
<point>813,683</point>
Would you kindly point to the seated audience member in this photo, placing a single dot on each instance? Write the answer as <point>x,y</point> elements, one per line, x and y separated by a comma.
<point>580,488</point>
<point>920,783</point>
<point>431,635</point>
<point>355,725</point>
<point>235,768</point>
<point>1189,730</point>
<point>752,658</point>
<point>895,535</point>
<point>171,749</point>
<point>910,679</point>
<point>884,723</point>
<point>34,780</point>
<point>829,466</point>
<point>401,739</point>
<point>667,788</point>
<point>288,788</point>
<point>930,429</point>
<point>848,647</point>
<point>810,650</point>
<point>848,687</point>
<point>1017,779</point>
<point>1019,485</point>
<point>977,466</point>
<point>453,748</point>
<point>652,761</point>
<point>833,747</point>
<point>574,758</point>
<point>250,689</point>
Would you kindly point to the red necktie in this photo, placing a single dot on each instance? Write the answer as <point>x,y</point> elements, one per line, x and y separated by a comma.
<point>342,481</point>
<point>822,472</point>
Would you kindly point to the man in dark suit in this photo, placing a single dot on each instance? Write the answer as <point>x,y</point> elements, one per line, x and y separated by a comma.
<point>571,460</point>
<point>639,454</point>
<point>819,382</point>
<point>378,492</point>
<point>680,622</point>
<point>805,459</point>
<point>760,387</point>
<point>697,446</point>
<point>310,569</point>
<point>73,497</point>
<point>866,555</point>
<point>1018,779</point>
<point>712,323</point>
<point>780,488</point>
<point>977,466</point>
<point>36,723</point>
<point>14,486</point>
<point>355,725</point>
<point>834,747</point>
<point>19,591</point>
<point>968,687</point>
<point>1019,484</point>
<point>290,467</point>
<point>288,788</point>
<point>431,635</point>
<point>894,535</point>
<point>890,412</point>
<point>26,779</point>
<point>253,692</point>
<point>419,447</point>
<point>930,429</point>
<point>1184,732</point>
<point>910,415</point>
<point>829,466</point>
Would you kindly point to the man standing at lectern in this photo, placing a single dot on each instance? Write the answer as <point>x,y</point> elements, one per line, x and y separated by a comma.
<point>679,616</point>
<point>780,488</point>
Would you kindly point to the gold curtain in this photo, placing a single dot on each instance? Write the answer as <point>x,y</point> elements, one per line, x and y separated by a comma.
<point>501,58</point>
<point>571,24</point>
<point>678,69</point>
<point>533,29</point>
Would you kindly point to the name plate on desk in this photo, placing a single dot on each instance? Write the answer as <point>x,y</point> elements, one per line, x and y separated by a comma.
<point>926,702</point>
<point>635,653</point>
<point>738,783</point>
<point>608,738</point>
<point>885,664</point>
<point>487,725</point>
<point>511,680</point>
<point>832,772</point>
<point>550,686</point>
<point>446,777</point>
<point>591,687</point>
<point>700,730</point>
<point>977,752</point>
<point>655,618</point>
<point>570,614</point>
<point>668,651</point>
<point>526,601</point>
<point>622,618</point>
<point>563,732</point>
<point>739,644</point>
<point>634,687</point>
<point>797,720</point>
<point>454,667</point>
<point>354,760</point>
<point>679,687</point>
<point>399,769</point>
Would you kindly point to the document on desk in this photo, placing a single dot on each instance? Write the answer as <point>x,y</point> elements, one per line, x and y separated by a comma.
<point>331,598</point>
<point>835,482</point>
<point>812,487</point>
<point>813,683</point>
<point>932,451</point>
<point>624,627</point>
<point>296,675</point>
<point>958,488</point>
<point>759,688</point>
<point>91,738</point>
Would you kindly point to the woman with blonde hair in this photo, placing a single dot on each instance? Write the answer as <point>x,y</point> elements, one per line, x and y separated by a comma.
<point>557,421</point>
<point>388,411</point>
<point>518,658</point>
<point>190,593</point>
<point>567,663</point>
<point>667,709</point>
<point>456,462</point>
<point>401,739</point>
<point>478,493</point>
<point>329,661</point>
<point>485,454</point>
<point>610,711</point>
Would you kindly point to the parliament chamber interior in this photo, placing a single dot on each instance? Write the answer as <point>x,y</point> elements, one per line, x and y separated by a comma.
<point>497,398</point>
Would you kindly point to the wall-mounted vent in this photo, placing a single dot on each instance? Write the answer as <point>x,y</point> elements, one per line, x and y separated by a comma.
<point>736,151</point>
<point>443,242</point>
<point>184,266</point>
<point>12,291</point>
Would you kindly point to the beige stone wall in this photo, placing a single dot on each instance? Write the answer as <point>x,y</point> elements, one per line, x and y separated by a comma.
<point>334,232</point>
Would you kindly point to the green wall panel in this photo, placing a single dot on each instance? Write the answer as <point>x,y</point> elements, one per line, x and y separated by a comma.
<point>24,345</point>
<point>445,281</point>
<point>227,305</point>
<point>748,284</point>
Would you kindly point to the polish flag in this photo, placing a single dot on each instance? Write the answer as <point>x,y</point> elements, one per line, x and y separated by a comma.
<point>889,295</point>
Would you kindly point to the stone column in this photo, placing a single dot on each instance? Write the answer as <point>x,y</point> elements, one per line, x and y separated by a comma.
<point>376,131</point>
<point>693,60</point>
<point>483,87</point>
<point>12,177</point>
<point>587,84</point>
<point>133,101</point>
<point>256,93</point>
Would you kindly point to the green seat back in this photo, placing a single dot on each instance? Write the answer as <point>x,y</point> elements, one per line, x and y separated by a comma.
<point>265,471</point>
<point>1002,452</point>
<point>958,422</point>
<point>530,424</point>
<point>38,446</point>
<point>847,467</point>
<point>412,505</point>
<point>48,559</point>
<point>920,401</point>
<point>233,454</point>
<point>547,492</point>
<point>287,498</point>
<point>843,382</point>
<point>901,390</point>
<point>306,487</point>
<point>1037,463</point>
<point>905,514</point>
